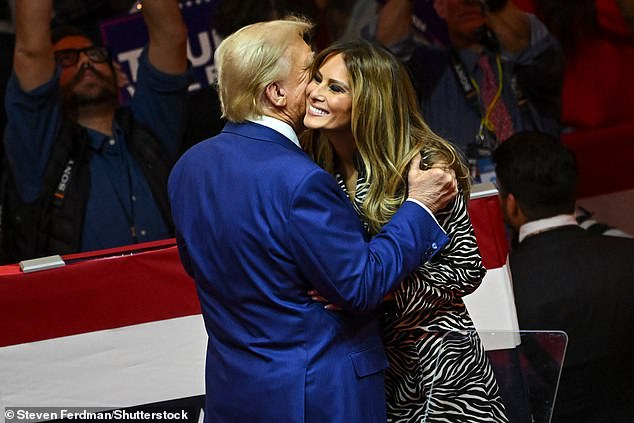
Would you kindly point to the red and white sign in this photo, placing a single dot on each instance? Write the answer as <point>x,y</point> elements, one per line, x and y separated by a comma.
<point>122,327</point>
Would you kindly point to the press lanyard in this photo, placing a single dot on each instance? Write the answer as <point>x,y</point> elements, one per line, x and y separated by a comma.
<point>471,91</point>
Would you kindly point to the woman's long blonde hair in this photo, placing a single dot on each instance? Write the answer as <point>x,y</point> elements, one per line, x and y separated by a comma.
<point>387,126</point>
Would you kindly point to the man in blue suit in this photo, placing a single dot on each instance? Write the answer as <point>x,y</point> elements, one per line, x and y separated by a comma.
<point>259,224</point>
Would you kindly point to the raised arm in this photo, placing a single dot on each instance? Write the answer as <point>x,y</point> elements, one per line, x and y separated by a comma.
<point>511,26</point>
<point>168,35</point>
<point>335,259</point>
<point>394,21</point>
<point>33,59</point>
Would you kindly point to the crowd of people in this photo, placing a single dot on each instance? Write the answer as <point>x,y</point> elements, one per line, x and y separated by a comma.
<point>318,195</point>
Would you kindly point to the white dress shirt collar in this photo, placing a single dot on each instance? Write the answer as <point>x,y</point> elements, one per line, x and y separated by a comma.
<point>278,126</point>
<point>542,225</point>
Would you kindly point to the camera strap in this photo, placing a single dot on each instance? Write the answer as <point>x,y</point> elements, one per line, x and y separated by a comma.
<point>62,184</point>
<point>465,81</point>
<point>471,93</point>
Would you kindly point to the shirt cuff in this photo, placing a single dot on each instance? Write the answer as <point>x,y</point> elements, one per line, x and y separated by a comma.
<point>428,211</point>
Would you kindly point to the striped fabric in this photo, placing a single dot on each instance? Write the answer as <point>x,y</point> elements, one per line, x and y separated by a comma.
<point>428,305</point>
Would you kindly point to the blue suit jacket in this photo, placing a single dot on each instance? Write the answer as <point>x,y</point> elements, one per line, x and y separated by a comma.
<point>258,225</point>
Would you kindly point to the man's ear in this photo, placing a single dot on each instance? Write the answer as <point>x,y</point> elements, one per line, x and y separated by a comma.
<point>275,94</point>
<point>514,211</point>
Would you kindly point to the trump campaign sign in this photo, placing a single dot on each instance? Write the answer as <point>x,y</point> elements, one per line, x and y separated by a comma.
<point>126,36</point>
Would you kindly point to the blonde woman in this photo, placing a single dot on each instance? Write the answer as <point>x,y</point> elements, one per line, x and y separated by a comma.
<point>364,127</point>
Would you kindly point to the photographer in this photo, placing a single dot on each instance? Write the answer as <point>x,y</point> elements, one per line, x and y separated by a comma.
<point>83,173</point>
<point>500,73</point>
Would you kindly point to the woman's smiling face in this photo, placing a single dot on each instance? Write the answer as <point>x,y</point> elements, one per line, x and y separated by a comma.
<point>329,97</point>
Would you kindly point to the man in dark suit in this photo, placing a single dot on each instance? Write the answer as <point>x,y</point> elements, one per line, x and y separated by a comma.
<point>259,224</point>
<point>567,278</point>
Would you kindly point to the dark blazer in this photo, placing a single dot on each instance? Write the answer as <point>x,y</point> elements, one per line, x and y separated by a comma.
<point>582,283</point>
<point>258,224</point>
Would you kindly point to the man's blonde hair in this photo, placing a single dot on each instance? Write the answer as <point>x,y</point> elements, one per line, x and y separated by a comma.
<point>250,59</point>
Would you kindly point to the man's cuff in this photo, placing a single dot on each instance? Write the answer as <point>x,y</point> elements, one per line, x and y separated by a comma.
<point>427,210</point>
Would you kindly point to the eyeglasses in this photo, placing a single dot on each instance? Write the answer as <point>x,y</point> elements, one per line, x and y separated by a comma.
<point>70,56</point>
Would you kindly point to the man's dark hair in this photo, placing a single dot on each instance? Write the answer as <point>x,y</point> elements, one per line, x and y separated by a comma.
<point>62,31</point>
<point>539,171</point>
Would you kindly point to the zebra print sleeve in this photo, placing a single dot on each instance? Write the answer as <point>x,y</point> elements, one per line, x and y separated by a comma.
<point>454,272</point>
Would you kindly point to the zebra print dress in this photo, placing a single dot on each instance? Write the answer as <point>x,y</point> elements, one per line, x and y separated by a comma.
<point>428,305</point>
